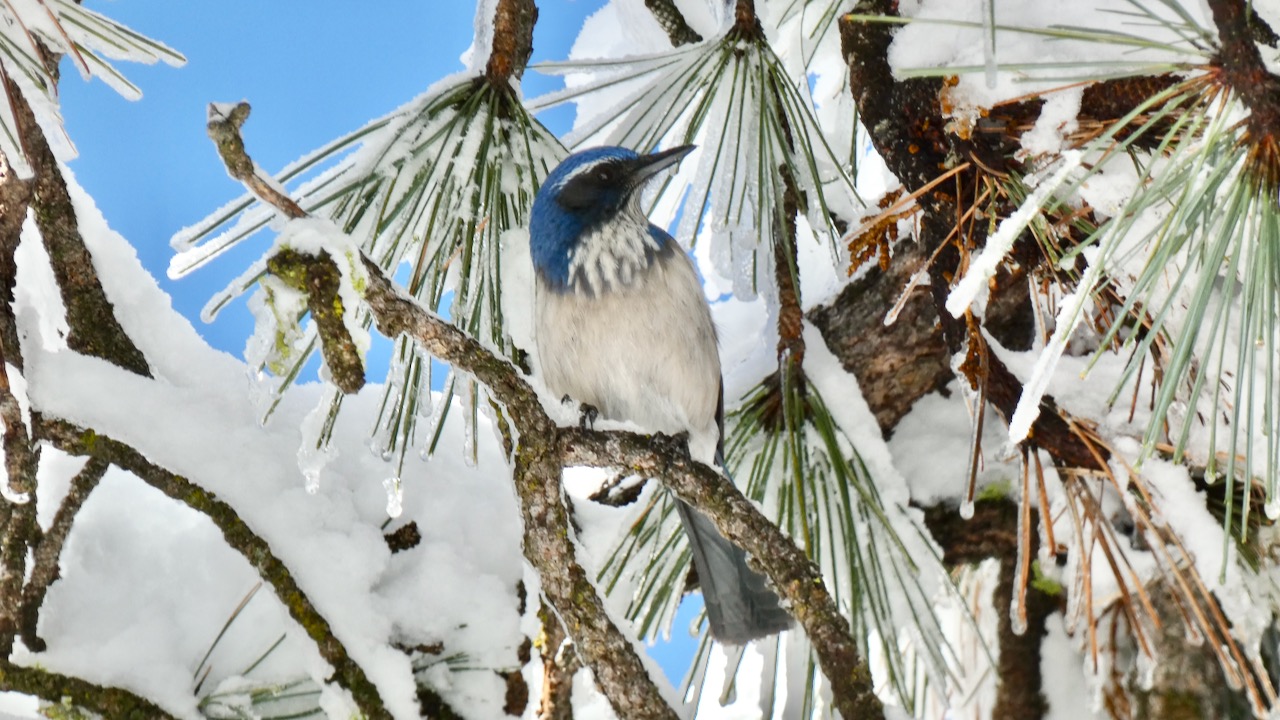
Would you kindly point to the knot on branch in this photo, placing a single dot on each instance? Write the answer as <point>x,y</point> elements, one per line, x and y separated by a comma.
<point>318,277</point>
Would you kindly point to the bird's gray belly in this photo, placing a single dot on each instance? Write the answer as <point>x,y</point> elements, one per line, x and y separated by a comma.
<point>643,352</point>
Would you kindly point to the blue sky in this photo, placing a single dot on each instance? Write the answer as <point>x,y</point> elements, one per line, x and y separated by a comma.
<point>312,71</point>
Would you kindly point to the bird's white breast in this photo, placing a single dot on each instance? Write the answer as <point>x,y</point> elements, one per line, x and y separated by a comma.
<point>641,348</point>
<point>611,255</point>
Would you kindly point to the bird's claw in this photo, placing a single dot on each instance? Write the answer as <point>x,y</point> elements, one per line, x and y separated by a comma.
<point>587,415</point>
<point>674,443</point>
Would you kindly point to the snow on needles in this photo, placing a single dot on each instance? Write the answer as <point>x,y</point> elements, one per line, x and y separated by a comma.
<point>983,267</point>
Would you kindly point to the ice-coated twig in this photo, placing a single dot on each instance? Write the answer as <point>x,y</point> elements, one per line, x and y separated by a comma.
<point>544,450</point>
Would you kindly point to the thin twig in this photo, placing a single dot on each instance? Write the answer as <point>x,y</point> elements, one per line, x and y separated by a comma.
<point>46,553</point>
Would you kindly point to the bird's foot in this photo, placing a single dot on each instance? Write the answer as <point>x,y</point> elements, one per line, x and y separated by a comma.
<point>676,443</point>
<point>587,415</point>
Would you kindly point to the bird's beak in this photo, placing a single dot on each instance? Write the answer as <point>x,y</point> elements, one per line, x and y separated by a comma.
<point>647,166</point>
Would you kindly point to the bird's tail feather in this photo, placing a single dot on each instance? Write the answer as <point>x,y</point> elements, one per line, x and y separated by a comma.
<point>740,605</point>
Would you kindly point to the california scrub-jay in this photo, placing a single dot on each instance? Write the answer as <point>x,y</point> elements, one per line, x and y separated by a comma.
<point>622,326</point>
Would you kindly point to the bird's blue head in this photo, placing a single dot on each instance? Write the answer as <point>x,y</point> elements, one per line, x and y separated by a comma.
<point>586,223</point>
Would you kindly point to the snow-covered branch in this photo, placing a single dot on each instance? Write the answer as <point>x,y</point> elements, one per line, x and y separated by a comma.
<point>91,319</point>
<point>81,441</point>
<point>57,689</point>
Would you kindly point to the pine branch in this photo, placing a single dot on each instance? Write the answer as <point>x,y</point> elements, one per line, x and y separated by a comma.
<point>55,688</point>
<point>559,663</point>
<point>513,22</point>
<point>544,450</point>
<point>796,578</point>
<point>906,126</point>
<point>672,21</point>
<point>1244,69</point>
<point>93,327</point>
<point>548,539</point>
<point>17,531</point>
<point>318,281</point>
<point>15,198</point>
<point>47,552</point>
<point>85,442</point>
<point>21,456</point>
<point>18,528</point>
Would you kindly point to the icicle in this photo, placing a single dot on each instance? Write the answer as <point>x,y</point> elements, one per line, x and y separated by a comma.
<point>426,398</point>
<point>733,661</point>
<point>966,509</point>
<point>982,268</point>
<point>891,317</point>
<point>1272,508</point>
<point>1146,666</point>
<point>1018,603</point>
<point>395,496</point>
<point>314,452</point>
<point>989,41</point>
<point>468,396</point>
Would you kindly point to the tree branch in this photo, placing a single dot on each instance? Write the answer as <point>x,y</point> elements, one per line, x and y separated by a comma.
<point>109,702</point>
<point>906,125</point>
<point>1244,68</point>
<point>796,578</point>
<point>46,553</point>
<point>18,528</point>
<point>318,281</point>
<point>672,21</point>
<point>545,448</point>
<point>93,327</point>
<point>513,22</point>
<point>80,441</point>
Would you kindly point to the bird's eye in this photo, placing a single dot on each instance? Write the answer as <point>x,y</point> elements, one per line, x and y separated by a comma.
<point>604,175</point>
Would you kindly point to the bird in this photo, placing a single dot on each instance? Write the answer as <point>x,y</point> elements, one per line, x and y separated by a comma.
<point>622,326</point>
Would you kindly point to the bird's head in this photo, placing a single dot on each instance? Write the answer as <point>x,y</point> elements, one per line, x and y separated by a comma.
<point>587,219</point>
